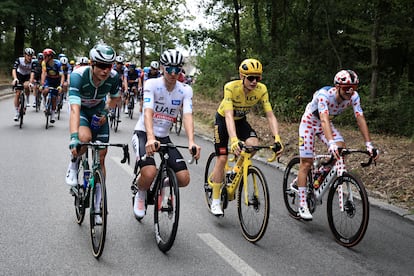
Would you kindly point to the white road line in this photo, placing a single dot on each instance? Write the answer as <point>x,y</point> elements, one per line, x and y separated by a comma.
<point>231,258</point>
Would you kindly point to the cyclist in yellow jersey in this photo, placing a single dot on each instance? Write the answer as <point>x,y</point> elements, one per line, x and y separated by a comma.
<point>239,98</point>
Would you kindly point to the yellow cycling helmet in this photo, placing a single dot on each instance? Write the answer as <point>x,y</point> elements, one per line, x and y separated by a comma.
<point>251,66</point>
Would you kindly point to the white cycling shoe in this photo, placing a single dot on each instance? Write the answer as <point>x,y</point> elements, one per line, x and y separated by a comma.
<point>139,204</point>
<point>304,213</point>
<point>215,208</point>
<point>72,177</point>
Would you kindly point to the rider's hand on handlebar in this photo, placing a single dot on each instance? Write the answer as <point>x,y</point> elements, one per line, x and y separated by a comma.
<point>151,146</point>
<point>278,146</point>
<point>333,149</point>
<point>235,145</point>
<point>372,151</point>
<point>196,155</point>
<point>74,142</point>
<point>15,82</point>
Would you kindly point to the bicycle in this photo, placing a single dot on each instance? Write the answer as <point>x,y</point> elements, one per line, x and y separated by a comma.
<point>87,192</point>
<point>165,197</point>
<point>38,95</point>
<point>131,103</point>
<point>179,122</point>
<point>59,104</point>
<point>53,93</point>
<point>347,197</point>
<point>248,183</point>
<point>114,118</point>
<point>22,107</point>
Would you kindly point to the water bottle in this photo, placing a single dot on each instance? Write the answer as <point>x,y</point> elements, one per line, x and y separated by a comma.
<point>322,173</point>
<point>86,175</point>
<point>95,121</point>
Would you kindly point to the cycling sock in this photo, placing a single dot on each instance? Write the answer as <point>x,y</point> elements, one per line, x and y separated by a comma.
<point>302,196</point>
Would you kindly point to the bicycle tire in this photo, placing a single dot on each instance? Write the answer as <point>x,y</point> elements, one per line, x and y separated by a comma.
<point>166,212</point>
<point>348,226</point>
<point>253,217</point>
<point>116,119</point>
<point>208,191</point>
<point>59,104</point>
<point>48,111</point>
<point>98,231</point>
<point>131,108</point>
<point>80,205</point>
<point>290,195</point>
<point>179,122</point>
<point>37,99</point>
<point>21,109</point>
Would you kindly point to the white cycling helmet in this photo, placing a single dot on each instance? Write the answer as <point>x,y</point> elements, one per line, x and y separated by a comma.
<point>64,60</point>
<point>172,58</point>
<point>120,59</point>
<point>102,53</point>
<point>84,60</point>
<point>346,77</point>
<point>29,51</point>
<point>155,65</point>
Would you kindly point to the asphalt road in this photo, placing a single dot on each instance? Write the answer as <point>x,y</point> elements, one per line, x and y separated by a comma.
<point>39,235</point>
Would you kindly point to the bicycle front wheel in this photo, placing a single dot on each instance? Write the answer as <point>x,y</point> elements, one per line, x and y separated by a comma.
<point>253,205</point>
<point>80,204</point>
<point>116,119</point>
<point>290,188</point>
<point>166,211</point>
<point>98,214</point>
<point>348,224</point>
<point>208,191</point>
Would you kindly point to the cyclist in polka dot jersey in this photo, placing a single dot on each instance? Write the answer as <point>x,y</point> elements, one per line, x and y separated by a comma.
<point>316,121</point>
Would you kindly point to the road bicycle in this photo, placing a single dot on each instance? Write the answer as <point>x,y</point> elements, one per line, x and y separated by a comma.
<point>59,104</point>
<point>53,93</point>
<point>114,118</point>
<point>178,122</point>
<point>22,106</point>
<point>247,183</point>
<point>90,192</point>
<point>165,196</point>
<point>131,103</point>
<point>38,97</point>
<point>347,202</point>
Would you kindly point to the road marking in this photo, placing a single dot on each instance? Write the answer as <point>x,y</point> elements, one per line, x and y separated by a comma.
<point>231,258</point>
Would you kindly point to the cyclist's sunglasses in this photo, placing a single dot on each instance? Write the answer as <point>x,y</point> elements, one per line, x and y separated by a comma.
<point>252,78</point>
<point>173,69</point>
<point>349,88</point>
<point>103,66</point>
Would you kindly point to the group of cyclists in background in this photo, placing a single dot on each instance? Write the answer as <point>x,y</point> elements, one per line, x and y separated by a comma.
<point>95,85</point>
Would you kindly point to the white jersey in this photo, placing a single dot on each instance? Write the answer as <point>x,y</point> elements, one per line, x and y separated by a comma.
<point>166,105</point>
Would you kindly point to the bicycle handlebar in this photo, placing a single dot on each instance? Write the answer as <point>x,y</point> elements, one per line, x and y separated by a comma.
<point>100,144</point>
<point>345,151</point>
<point>171,145</point>
<point>250,149</point>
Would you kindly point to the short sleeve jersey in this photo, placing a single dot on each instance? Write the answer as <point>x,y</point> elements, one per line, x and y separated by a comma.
<point>235,99</point>
<point>324,101</point>
<point>166,105</point>
<point>83,92</point>
<point>22,67</point>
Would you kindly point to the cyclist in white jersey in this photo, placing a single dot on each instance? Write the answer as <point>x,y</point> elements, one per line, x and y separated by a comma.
<point>328,101</point>
<point>163,99</point>
<point>22,68</point>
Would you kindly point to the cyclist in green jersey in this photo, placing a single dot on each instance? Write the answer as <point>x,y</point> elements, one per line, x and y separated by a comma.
<point>89,86</point>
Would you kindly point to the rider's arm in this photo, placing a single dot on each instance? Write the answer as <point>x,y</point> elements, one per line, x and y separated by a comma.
<point>74,118</point>
<point>326,125</point>
<point>230,125</point>
<point>363,127</point>
<point>273,124</point>
<point>44,74</point>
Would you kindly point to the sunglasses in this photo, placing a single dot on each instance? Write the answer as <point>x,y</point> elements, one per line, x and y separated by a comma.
<point>252,78</point>
<point>349,88</point>
<point>103,66</point>
<point>173,69</point>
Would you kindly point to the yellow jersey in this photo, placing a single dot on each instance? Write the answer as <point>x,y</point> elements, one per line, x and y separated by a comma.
<point>235,99</point>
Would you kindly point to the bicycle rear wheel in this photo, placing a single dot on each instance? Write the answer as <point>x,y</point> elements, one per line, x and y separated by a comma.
<point>208,191</point>
<point>38,100</point>
<point>253,214</point>
<point>179,123</point>
<point>166,212</point>
<point>348,226</point>
<point>98,214</point>
<point>131,106</point>
<point>290,188</point>
<point>59,105</point>
<point>48,111</point>
<point>21,108</point>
